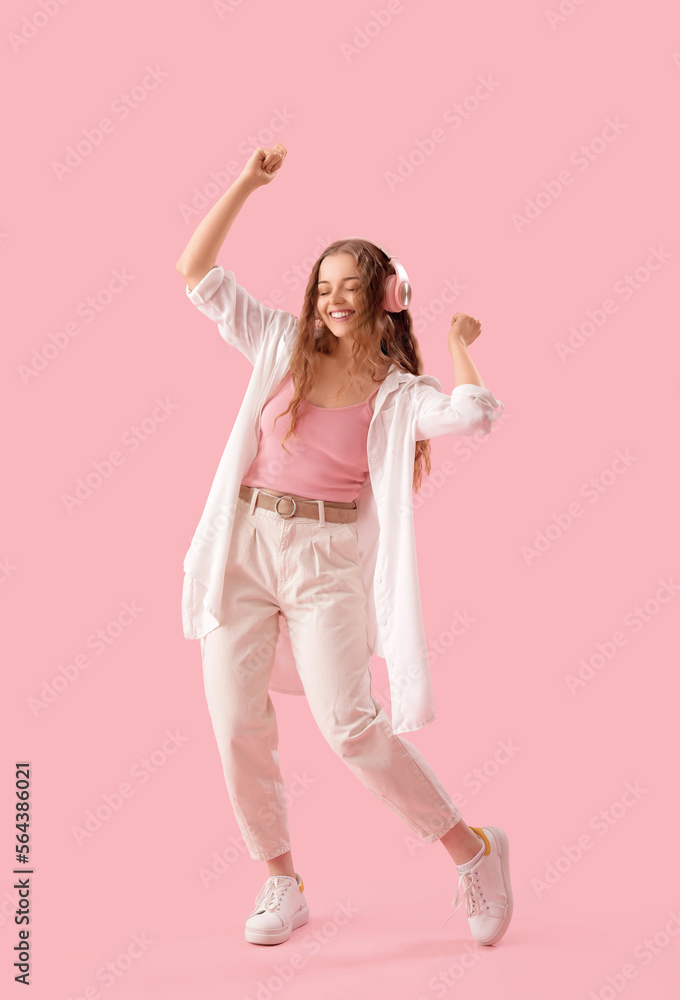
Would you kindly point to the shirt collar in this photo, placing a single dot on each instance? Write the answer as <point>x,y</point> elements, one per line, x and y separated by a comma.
<point>395,376</point>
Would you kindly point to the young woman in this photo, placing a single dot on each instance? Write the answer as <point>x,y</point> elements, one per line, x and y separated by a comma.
<point>303,564</point>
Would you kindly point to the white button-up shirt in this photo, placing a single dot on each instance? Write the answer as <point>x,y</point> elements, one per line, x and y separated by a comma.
<point>408,408</point>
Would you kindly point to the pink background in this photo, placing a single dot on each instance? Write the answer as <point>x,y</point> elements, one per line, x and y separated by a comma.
<point>256,73</point>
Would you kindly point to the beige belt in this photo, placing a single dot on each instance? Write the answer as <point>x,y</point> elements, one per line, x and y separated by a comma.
<point>288,505</point>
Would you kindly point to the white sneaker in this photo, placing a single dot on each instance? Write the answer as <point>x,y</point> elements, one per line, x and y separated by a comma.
<point>486,888</point>
<point>280,907</point>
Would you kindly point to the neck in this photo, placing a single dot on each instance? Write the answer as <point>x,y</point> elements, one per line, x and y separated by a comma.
<point>343,355</point>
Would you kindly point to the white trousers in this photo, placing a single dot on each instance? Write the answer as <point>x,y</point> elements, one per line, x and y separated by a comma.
<point>311,572</point>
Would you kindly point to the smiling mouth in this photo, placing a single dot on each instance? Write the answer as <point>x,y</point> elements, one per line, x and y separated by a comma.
<point>341,318</point>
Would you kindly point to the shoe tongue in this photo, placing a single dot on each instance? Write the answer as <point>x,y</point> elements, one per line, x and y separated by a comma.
<point>272,878</point>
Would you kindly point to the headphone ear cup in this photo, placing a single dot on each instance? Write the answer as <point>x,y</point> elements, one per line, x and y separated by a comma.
<point>391,302</point>
<point>397,289</point>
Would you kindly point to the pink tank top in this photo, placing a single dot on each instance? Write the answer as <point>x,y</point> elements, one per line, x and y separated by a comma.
<point>328,461</point>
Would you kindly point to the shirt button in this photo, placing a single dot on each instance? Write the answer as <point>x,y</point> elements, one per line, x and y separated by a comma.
<point>378,579</point>
<point>374,460</point>
<point>383,622</point>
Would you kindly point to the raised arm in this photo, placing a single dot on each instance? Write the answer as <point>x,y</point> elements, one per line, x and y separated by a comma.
<point>471,408</point>
<point>200,253</point>
<point>464,329</point>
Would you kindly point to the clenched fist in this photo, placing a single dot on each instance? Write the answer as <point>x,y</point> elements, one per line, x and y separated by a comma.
<point>464,328</point>
<point>262,166</point>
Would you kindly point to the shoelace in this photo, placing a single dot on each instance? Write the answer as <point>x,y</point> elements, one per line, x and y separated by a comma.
<point>471,895</point>
<point>273,894</point>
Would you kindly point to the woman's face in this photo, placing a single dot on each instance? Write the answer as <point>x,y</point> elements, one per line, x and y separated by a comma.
<point>337,283</point>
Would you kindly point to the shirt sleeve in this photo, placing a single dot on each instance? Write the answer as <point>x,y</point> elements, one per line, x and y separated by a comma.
<point>470,409</point>
<point>242,320</point>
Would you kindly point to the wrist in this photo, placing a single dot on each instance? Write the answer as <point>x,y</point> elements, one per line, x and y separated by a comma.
<point>456,343</point>
<point>246,184</point>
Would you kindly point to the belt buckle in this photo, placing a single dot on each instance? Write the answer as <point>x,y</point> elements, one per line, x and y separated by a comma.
<point>276,506</point>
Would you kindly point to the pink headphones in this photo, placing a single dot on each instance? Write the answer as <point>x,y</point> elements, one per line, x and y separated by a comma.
<point>397,294</point>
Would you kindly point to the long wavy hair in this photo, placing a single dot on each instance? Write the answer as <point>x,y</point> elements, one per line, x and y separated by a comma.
<point>378,335</point>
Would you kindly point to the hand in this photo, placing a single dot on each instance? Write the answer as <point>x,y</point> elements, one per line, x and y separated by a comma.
<point>262,166</point>
<point>464,329</point>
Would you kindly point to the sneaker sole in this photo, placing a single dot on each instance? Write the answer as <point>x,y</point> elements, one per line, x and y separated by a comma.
<point>276,937</point>
<point>504,854</point>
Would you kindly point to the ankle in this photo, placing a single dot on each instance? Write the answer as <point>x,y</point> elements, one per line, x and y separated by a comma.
<point>462,843</point>
<point>466,866</point>
<point>282,864</point>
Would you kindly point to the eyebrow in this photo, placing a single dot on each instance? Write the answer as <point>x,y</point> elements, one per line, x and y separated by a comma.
<point>352,277</point>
